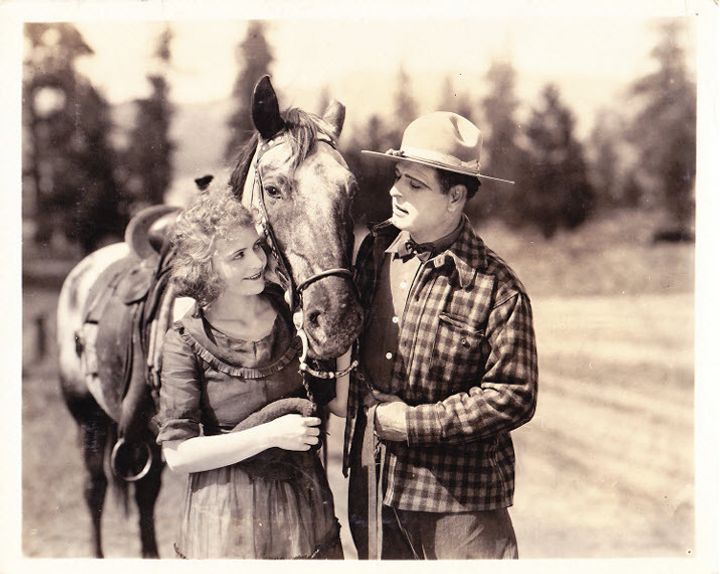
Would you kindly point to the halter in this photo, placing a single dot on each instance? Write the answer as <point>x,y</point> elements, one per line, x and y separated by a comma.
<point>293,294</point>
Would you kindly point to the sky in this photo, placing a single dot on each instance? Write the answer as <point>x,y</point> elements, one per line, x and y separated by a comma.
<point>592,56</point>
<point>315,52</point>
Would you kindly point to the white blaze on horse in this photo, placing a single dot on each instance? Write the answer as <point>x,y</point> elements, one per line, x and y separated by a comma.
<point>117,303</point>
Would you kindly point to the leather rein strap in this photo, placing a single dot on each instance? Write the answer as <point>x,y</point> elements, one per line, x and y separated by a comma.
<point>293,294</point>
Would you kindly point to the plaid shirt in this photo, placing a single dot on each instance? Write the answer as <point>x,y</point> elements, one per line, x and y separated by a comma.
<point>466,365</point>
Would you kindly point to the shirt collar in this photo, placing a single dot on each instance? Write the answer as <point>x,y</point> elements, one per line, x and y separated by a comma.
<point>403,245</point>
<point>467,254</point>
<point>466,251</point>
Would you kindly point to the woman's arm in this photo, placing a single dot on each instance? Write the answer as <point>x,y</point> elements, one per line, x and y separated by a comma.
<point>197,454</point>
<point>338,406</point>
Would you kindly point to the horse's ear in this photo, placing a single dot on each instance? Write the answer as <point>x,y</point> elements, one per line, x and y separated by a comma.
<point>265,110</point>
<point>335,116</point>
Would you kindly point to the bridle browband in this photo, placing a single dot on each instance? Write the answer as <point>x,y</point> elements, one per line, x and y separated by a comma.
<point>293,294</point>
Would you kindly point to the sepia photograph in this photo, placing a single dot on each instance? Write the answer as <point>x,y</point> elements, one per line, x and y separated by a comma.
<point>361,281</point>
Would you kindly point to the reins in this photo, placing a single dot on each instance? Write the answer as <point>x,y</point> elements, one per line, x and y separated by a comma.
<point>293,294</point>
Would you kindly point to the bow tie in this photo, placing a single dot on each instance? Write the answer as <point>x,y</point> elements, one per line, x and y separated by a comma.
<point>422,251</point>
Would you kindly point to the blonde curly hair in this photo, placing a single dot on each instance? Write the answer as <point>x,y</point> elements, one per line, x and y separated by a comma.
<point>214,213</point>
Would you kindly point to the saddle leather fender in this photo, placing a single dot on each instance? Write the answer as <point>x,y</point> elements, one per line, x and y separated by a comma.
<point>119,318</point>
<point>118,345</point>
<point>106,332</point>
<point>137,405</point>
<point>135,285</point>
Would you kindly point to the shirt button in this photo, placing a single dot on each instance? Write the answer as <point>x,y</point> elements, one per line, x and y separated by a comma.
<point>388,356</point>
<point>395,320</point>
<point>403,285</point>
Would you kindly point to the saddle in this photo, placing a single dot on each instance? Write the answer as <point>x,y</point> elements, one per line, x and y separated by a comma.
<point>128,311</point>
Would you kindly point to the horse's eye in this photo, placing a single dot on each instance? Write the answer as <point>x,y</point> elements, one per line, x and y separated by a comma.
<point>272,191</point>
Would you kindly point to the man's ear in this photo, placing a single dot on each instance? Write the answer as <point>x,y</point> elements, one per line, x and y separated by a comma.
<point>458,197</point>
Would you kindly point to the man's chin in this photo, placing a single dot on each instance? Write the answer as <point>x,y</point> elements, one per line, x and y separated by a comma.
<point>399,221</point>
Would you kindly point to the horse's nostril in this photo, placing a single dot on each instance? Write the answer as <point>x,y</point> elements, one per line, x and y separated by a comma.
<point>313,318</point>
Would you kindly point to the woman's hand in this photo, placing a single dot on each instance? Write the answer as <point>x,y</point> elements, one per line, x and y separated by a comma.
<point>201,453</point>
<point>294,432</point>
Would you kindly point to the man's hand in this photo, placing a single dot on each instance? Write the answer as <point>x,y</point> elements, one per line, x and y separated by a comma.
<point>390,421</point>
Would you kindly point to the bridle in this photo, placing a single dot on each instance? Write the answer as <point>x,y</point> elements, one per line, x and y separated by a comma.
<point>293,293</point>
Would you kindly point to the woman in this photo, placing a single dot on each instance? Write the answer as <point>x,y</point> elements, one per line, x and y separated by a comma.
<point>253,491</point>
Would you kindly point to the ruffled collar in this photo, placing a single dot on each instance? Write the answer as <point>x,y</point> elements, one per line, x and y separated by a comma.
<point>238,357</point>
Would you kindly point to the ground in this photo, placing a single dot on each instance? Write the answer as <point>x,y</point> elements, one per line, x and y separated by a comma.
<point>605,468</point>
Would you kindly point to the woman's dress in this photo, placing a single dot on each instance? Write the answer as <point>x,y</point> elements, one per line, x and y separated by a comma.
<point>211,382</point>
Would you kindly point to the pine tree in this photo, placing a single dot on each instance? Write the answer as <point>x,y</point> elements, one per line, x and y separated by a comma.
<point>405,106</point>
<point>69,163</point>
<point>609,157</point>
<point>102,209</point>
<point>603,160</point>
<point>149,156</point>
<point>664,129</point>
<point>503,155</point>
<point>374,177</point>
<point>558,193</point>
<point>254,57</point>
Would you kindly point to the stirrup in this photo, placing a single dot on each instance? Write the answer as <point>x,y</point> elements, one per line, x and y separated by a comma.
<point>133,477</point>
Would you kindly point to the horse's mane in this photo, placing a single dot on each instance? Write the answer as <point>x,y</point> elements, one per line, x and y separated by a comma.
<point>302,129</point>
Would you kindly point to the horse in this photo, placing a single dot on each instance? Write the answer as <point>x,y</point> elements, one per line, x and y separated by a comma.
<point>299,189</point>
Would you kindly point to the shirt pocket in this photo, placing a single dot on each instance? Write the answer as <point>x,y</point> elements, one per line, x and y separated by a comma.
<point>458,355</point>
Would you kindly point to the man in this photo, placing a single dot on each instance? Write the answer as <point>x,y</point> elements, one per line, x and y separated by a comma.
<point>447,364</point>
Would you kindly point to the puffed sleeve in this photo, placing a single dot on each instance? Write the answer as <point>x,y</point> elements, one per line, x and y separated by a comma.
<point>179,416</point>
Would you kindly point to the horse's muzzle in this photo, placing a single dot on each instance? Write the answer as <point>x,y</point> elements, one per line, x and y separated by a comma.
<point>333,318</point>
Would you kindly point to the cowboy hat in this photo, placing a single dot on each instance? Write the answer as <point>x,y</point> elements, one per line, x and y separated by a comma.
<point>443,140</point>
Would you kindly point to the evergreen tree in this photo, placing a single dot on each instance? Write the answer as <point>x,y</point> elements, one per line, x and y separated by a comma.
<point>375,178</point>
<point>102,208</point>
<point>604,159</point>
<point>149,156</point>
<point>405,107</point>
<point>664,129</point>
<point>68,164</point>
<point>503,155</point>
<point>612,161</point>
<point>558,193</point>
<point>254,58</point>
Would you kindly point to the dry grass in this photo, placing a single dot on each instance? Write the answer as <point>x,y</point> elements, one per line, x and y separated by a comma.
<point>612,255</point>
